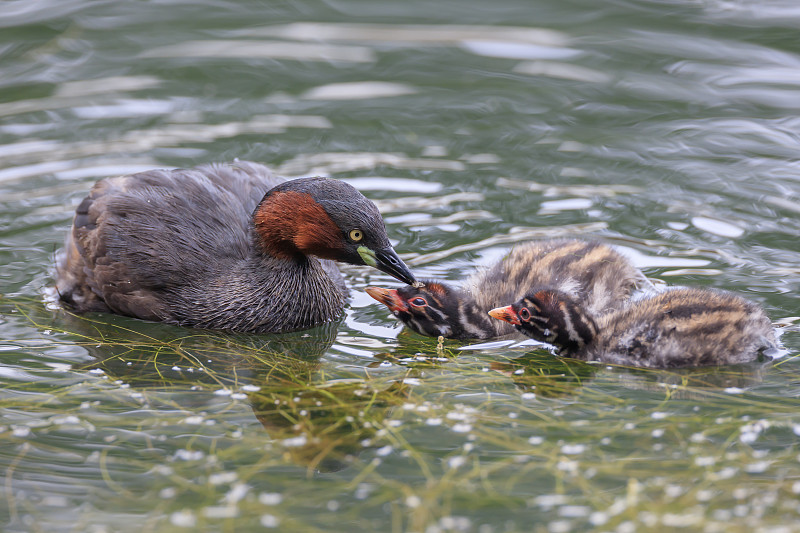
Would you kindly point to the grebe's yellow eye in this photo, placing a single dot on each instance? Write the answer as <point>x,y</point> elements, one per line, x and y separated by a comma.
<point>356,235</point>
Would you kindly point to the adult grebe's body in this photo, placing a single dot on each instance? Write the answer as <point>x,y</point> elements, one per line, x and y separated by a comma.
<point>228,246</point>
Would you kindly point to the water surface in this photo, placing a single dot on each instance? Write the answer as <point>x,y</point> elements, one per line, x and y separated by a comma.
<point>668,129</point>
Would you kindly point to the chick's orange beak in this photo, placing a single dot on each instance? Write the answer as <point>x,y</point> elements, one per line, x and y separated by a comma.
<point>388,297</point>
<point>506,314</point>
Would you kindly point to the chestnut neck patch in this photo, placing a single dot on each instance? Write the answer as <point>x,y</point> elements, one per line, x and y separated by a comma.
<point>291,223</point>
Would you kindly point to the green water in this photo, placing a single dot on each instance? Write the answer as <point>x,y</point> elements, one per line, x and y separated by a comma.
<point>669,129</point>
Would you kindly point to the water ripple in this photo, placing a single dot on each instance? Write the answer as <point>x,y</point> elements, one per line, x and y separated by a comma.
<point>262,49</point>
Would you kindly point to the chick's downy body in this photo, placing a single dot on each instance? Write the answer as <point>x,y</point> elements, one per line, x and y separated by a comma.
<point>682,327</point>
<point>590,271</point>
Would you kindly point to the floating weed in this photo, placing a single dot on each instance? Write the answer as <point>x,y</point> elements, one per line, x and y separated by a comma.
<point>202,429</point>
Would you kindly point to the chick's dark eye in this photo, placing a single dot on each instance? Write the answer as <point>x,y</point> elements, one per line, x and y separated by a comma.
<point>524,314</point>
<point>418,302</point>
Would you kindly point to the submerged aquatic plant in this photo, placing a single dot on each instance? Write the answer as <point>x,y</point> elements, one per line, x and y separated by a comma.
<point>199,429</point>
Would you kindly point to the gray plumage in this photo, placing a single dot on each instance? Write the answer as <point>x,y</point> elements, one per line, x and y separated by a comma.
<point>180,247</point>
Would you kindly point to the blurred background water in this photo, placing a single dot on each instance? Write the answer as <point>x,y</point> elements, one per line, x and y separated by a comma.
<point>669,129</point>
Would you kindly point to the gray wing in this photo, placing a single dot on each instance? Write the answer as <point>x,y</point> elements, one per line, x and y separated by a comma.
<point>136,236</point>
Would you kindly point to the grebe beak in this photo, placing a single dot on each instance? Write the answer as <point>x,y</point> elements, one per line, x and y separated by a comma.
<point>506,314</point>
<point>388,297</point>
<point>388,261</point>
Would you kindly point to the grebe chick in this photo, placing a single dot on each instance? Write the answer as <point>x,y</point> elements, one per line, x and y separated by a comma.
<point>677,328</point>
<point>221,246</point>
<point>591,272</point>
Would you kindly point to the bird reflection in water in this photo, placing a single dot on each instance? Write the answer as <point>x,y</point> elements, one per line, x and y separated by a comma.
<point>323,425</point>
<point>546,376</point>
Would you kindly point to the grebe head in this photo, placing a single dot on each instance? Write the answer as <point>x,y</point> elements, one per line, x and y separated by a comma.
<point>431,309</point>
<point>550,316</point>
<point>329,219</point>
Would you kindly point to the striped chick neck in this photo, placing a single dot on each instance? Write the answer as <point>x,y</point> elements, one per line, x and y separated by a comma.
<point>555,317</point>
